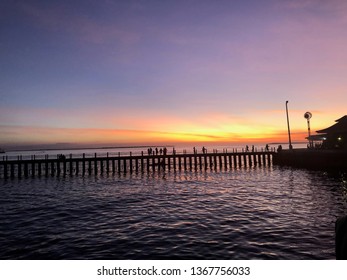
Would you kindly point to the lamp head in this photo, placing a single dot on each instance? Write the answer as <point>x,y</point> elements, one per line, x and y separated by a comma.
<point>307,115</point>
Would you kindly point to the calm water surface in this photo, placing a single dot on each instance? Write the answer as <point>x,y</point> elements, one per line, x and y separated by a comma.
<point>246,213</point>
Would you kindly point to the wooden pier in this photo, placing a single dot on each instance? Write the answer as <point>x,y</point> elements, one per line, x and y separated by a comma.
<point>95,165</point>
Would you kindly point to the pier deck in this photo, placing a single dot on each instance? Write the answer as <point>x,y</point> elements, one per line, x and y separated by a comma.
<point>82,165</point>
<point>312,159</point>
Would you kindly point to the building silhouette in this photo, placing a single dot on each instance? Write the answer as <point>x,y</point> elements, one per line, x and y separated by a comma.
<point>335,136</point>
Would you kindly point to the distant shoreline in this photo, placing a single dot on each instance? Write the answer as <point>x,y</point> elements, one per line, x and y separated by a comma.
<point>86,148</point>
<point>41,149</point>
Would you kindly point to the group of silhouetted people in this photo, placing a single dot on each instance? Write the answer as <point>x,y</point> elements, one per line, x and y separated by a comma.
<point>247,148</point>
<point>156,151</point>
<point>267,148</point>
<point>62,157</point>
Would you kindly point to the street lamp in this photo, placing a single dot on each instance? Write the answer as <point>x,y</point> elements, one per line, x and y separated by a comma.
<point>290,140</point>
<point>307,116</point>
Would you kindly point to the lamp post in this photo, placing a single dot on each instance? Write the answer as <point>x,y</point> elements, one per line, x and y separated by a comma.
<point>290,140</point>
<point>307,116</point>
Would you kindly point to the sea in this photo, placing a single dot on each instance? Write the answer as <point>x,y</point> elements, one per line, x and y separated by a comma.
<point>240,213</point>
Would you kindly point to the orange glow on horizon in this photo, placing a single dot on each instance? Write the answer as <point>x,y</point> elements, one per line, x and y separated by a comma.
<point>138,128</point>
<point>33,136</point>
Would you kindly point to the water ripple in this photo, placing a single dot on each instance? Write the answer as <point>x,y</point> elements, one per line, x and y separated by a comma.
<point>253,213</point>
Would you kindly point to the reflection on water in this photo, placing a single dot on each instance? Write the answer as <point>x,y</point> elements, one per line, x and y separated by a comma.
<point>246,213</point>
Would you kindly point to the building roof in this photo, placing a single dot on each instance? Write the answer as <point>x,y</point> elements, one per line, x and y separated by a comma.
<point>339,127</point>
<point>343,119</point>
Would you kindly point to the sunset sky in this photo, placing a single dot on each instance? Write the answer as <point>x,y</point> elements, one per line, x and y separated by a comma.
<point>156,71</point>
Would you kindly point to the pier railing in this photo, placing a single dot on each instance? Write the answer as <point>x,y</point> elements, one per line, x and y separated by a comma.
<point>94,164</point>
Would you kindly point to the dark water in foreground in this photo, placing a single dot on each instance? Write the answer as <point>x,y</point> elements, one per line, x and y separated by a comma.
<point>247,213</point>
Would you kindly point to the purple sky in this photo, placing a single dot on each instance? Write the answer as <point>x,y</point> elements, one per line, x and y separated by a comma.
<point>132,71</point>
